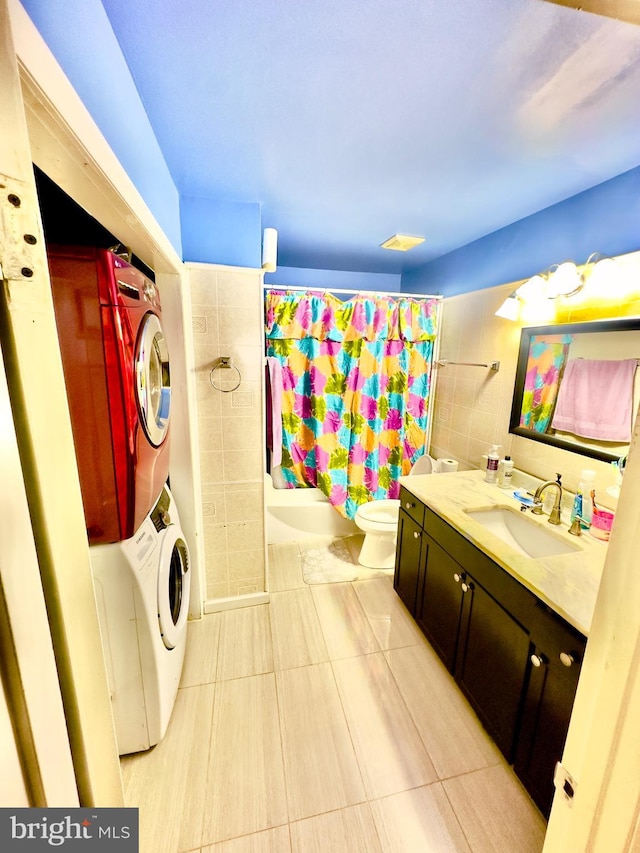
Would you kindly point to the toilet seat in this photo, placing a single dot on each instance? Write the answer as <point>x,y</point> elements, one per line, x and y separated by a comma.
<point>378,520</point>
<point>381,514</point>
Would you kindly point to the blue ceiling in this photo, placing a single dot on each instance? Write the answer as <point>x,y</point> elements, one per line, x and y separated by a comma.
<point>351,120</point>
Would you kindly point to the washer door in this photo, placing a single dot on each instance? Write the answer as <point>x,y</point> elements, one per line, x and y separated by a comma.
<point>153,383</point>
<point>174,583</point>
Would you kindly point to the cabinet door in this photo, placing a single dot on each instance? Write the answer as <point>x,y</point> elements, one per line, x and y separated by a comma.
<point>491,663</point>
<point>553,679</point>
<point>407,571</point>
<point>438,610</point>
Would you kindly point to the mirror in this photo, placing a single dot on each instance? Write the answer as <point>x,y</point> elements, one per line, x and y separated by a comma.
<point>577,386</point>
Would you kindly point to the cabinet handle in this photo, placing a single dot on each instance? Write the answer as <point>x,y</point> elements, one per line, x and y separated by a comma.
<point>457,578</point>
<point>409,505</point>
<point>416,534</point>
<point>567,659</point>
<point>537,660</point>
<point>466,587</point>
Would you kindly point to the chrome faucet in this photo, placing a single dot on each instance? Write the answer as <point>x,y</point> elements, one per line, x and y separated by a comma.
<point>554,515</point>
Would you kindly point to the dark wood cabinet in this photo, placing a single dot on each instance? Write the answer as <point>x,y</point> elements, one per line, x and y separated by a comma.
<point>438,609</point>
<point>408,560</point>
<point>491,663</point>
<point>515,660</point>
<point>556,655</point>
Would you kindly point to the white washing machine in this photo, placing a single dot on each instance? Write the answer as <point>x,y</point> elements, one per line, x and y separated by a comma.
<point>142,593</point>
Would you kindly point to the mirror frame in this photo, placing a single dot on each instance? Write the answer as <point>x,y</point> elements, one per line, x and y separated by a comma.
<point>618,325</point>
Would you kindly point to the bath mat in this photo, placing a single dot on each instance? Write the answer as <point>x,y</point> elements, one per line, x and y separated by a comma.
<point>330,560</point>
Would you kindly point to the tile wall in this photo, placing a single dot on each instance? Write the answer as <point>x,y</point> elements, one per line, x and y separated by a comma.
<point>227,319</point>
<point>472,405</point>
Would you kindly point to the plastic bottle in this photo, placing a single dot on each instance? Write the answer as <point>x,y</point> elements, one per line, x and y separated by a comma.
<point>585,487</point>
<point>505,472</point>
<point>493,458</point>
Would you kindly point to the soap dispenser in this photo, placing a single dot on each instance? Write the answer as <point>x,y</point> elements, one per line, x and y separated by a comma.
<point>493,458</point>
<point>505,473</point>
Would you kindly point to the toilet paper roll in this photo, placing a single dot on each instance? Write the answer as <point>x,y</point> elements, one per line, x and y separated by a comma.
<point>447,466</point>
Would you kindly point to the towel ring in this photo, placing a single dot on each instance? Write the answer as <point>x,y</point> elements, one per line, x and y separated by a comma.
<point>219,380</point>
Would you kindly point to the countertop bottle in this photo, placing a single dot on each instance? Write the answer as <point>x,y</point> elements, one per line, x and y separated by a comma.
<point>493,458</point>
<point>585,487</point>
<point>505,473</point>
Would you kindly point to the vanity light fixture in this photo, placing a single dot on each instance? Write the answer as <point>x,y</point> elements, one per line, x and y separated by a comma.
<point>564,280</point>
<point>510,308</point>
<point>560,280</point>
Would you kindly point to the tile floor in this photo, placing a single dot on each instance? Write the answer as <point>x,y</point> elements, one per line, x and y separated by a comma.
<point>323,723</point>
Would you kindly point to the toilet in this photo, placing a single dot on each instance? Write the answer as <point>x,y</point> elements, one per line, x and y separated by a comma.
<point>378,520</point>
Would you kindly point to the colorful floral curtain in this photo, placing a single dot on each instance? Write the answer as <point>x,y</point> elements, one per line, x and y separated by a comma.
<point>355,397</point>
<point>547,358</point>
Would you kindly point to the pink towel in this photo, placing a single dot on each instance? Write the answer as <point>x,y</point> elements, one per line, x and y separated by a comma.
<point>275,377</point>
<point>595,399</point>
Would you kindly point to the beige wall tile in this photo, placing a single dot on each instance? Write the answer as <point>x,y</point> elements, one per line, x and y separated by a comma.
<point>239,325</point>
<point>208,402</point>
<point>205,326</point>
<point>390,752</point>
<point>215,539</point>
<point>246,565</point>
<point>210,434</point>
<point>204,286</point>
<point>218,589</point>
<point>460,420</point>
<point>245,535</point>
<point>211,467</point>
<point>471,332</point>
<point>351,830</point>
<point>246,586</point>
<point>239,289</point>
<point>244,465</point>
<point>228,308</point>
<point>213,506</point>
<point>246,401</point>
<point>320,764</point>
<point>245,790</point>
<point>240,434</point>
<point>245,504</point>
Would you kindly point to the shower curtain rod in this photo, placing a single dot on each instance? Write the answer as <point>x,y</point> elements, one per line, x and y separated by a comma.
<point>355,290</point>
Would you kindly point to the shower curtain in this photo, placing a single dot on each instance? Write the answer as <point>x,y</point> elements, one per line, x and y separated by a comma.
<point>355,396</point>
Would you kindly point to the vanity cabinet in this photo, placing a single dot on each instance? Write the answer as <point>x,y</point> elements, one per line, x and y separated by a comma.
<point>556,656</point>
<point>408,561</point>
<point>516,661</point>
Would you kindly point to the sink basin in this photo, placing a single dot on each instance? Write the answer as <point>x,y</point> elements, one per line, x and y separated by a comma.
<point>522,533</point>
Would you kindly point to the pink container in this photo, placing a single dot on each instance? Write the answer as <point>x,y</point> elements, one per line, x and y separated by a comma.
<point>601,521</point>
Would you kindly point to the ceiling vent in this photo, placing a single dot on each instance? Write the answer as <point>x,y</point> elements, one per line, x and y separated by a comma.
<point>402,242</point>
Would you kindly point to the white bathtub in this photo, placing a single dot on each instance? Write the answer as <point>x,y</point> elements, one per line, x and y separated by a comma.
<point>298,514</point>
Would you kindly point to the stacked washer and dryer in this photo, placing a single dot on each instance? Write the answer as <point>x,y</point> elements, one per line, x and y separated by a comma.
<point>116,368</point>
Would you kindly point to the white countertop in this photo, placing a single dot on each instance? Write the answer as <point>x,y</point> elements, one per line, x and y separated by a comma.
<point>568,583</point>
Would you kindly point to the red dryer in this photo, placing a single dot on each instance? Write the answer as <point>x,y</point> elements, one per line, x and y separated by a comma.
<point>116,368</point>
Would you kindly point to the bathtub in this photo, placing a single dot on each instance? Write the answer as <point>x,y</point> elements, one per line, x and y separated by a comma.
<point>298,514</point>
